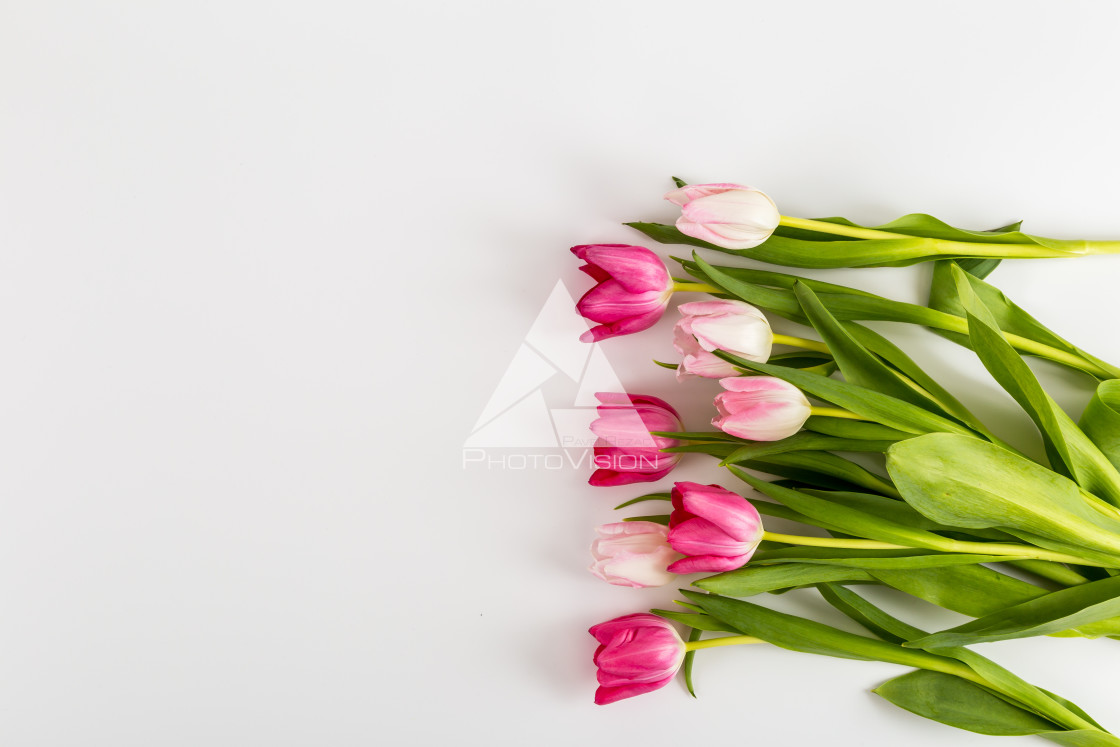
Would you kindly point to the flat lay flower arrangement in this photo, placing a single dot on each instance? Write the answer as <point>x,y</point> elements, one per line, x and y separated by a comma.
<point>936,506</point>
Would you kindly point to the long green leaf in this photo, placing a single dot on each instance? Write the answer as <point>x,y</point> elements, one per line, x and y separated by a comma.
<point>751,580</point>
<point>1079,456</point>
<point>858,365</point>
<point>1051,613</point>
<point>1006,683</point>
<point>805,441</point>
<point>969,483</point>
<point>1101,420</point>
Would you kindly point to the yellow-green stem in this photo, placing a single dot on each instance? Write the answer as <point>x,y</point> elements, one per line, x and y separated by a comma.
<point>800,342</point>
<point>728,640</point>
<point>837,229</point>
<point>836,412</point>
<point>847,544</point>
<point>696,288</point>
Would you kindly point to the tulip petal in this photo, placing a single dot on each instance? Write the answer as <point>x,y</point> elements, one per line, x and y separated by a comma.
<point>731,512</point>
<point>709,564</point>
<point>606,695</point>
<point>635,268</point>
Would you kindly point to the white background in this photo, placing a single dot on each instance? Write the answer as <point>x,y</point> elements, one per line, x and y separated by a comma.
<point>262,265</point>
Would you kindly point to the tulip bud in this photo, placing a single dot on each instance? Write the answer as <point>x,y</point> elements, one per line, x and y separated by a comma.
<point>728,215</point>
<point>732,326</point>
<point>626,451</point>
<point>716,529</point>
<point>633,289</point>
<point>637,654</point>
<point>633,553</point>
<point>760,408</point>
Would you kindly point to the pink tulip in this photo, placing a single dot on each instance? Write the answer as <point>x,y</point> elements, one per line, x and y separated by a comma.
<point>637,654</point>
<point>626,451</point>
<point>716,529</point>
<point>733,326</point>
<point>633,289</point>
<point>633,553</point>
<point>760,408</point>
<point>728,215</point>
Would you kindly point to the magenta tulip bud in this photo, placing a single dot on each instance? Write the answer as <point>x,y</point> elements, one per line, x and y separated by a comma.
<point>637,654</point>
<point>715,529</point>
<point>728,215</point>
<point>733,326</point>
<point>633,553</point>
<point>626,451</point>
<point>760,408</point>
<point>633,289</point>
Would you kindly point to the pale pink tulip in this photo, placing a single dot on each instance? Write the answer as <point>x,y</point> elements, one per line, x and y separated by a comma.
<point>626,451</point>
<point>715,529</point>
<point>633,289</point>
<point>732,326</point>
<point>730,216</point>
<point>637,654</point>
<point>760,408</point>
<point>633,553</point>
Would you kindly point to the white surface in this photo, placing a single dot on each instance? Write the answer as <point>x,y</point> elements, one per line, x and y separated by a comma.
<point>262,266</point>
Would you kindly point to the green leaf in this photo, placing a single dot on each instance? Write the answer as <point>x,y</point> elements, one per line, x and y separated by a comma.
<point>679,182</point>
<point>894,356</point>
<point>817,467</point>
<point>1101,420</point>
<point>847,428</point>
<point>753,579</point>
<point>647,497</point>
<point>696,621</point>
<point>1006,684</point>
<point>960,703</point>
<point>656,518</point>
<point>808,636</point>
<point>857,363</point>
<point>850,304</point>
<point>690,657</point>
<point>1051,613</point>
<point>1079,456</point>
<point>848,520</point>
<point>1009,317</point>
<point>805,441</point>
<point>969,483</point>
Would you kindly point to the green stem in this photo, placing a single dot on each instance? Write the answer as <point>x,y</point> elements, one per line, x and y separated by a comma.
<point>728,640</point>
<point>951,248</point>
<point>838,229</point>
<point>1059,574</point>
<point>952,546</point>
<point>847,544</point>
<point>836,412</point>
<point>801,342</point>
<point>679,287</point>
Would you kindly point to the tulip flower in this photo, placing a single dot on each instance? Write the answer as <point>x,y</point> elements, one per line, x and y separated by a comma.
<point>730,216</point>
<point>633,553</point>
<point>633,289</point>
<point>715,529</point>
<point>760,408</point>
<point>626,451</point>
<point>733,326</point>
<point>637,654</point>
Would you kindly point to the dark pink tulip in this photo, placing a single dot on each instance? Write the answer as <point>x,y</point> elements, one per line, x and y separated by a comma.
<point>637,654</point>
<point>715,529</point>
<point>633,289</point>
<point>626,451</point>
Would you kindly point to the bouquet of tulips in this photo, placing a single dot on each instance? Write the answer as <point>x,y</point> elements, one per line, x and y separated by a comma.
<point>936,505</point>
